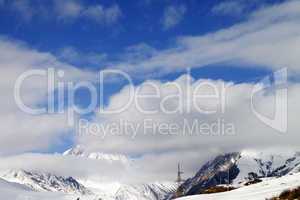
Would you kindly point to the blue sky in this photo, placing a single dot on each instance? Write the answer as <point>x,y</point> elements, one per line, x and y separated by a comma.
<point>238,41</point>
<point>37,24</point>
<point>138,23</point>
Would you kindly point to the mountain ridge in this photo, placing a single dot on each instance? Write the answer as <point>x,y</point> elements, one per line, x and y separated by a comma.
<point>237,168</point>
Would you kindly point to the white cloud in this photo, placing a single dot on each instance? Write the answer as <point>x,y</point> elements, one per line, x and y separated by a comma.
<point>237,112</point>
<point>108,15</point>
<point>67,10</point>
<point>142,169</point>
<point>20,131</point>
<point>167,150</point>
<point>269,38</point>
<point>229,8</point>
<point>70,10</point>
<point>139,52</point>
<point>60,165</point>
<point>237,8</point>
<point>78,58</point>
<point>173,15</point>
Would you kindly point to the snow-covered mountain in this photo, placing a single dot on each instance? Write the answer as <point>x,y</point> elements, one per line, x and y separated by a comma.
<point>15,191</point>
<point>45,182</point>
<point>266,164</point>
<point>152,191</point>
<point>80,151</point>
<point>268,188</point>
<point>90,188</point>
<point>13,186</point>
<point>10,190</point>
<point>236,168</point>
<point>121,191</point>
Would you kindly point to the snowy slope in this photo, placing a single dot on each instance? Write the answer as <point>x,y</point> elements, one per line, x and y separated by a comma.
<point>11,190</point>
<point>45,182</point>
<point>270,187</point>
<point>234,168</point>
<point>119,191</point>
<point>15,191</point>
<point>266,164</point>
<point>151,191</point>
<point>68,187</point>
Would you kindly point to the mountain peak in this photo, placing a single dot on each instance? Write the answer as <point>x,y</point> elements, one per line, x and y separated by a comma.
<point>39,181</point>
<point>80,151</point>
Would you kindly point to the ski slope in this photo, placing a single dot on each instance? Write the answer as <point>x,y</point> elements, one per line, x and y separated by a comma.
<point>268,188</point>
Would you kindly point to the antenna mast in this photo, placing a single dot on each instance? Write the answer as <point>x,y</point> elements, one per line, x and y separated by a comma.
<point>179,173</point>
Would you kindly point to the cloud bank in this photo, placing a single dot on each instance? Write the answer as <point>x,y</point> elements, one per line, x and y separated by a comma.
<point>21,132</point>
